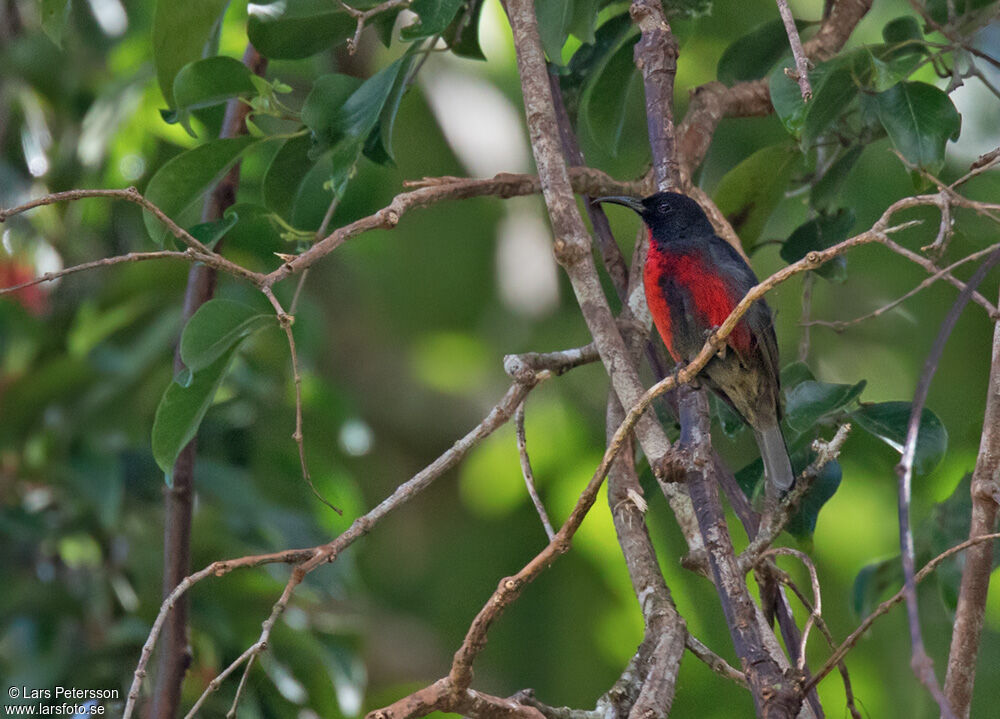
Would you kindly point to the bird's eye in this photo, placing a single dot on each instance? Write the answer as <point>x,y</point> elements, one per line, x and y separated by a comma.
<point>665,208</point>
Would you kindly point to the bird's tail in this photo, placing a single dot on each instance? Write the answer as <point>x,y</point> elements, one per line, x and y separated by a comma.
<point>777,466</point>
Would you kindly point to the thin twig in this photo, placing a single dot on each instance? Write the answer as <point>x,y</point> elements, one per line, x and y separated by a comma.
<point>362,16</point>
<point>840,325</point>
<point>529,476</point>
<point>888,604</point>
<point>816,612</point>
<point>308,559</point>
<point>130,194</point>
<point>286,321</point>
<point>188,255</point>
<point>795,42</point>
<point>920,661</point>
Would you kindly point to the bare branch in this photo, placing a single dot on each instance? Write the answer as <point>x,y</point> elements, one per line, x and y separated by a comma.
<point>188,255</point>
<point>362,16</point>
<point>976,572</point>
<point>132,195</point>
<point>529,476</point>
<point>920,661</point>
<point>888,604</point>
<point>795,42</point>
<point>286,320</point>
<point>656,58</point>
<point>840,325</point>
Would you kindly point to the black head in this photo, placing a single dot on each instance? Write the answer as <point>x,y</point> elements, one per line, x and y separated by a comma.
<point>670,215</point>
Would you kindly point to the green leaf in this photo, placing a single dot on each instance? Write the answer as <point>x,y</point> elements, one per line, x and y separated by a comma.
<point>462,36</point>
<point>825,192</point>
<point>873,583</point>
<point>434,16</point>
<point>817,234</point>
<point>182,180</point>
<point>554,18</point>
<point>217,327</point>
<point>748,194</point>
<point>809,401</point>
<point>357,115</point>
<point>257,231</point>
<point>904,35</point>
<point>802,524</point>
<point>584,19</point>
<point>605,107</point>
<point>296,29</point>
<point>181,410</point>
<point>834,84</point>
<point>325,103</point>
<point>283,177</point>
<point>795,373</point>
<point>888,420</point>
<point>208,82</point>
<point>209,233</point>
<point>920,119</point>
<point>55,13</point>
<point>590,59</point>
<point>181,31</point>
<point>752,56</point>
<point>378,144</point>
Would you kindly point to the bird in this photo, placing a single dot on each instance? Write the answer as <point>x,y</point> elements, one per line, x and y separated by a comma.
<point>693,279</point>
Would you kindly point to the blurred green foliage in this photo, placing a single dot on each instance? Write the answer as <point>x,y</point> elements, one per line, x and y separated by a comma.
<point>401,336</point>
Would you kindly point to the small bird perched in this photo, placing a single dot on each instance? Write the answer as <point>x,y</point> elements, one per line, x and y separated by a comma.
<point>693,280</point>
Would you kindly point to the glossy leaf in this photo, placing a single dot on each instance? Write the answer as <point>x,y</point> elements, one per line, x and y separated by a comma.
<point>209,233</point>
<point>217,327</point>
<point>378,145</point>
<point>181,30</point>
<point>296,29</point>
<point>181,181</point>
<point>817,234</point>
<point>834,86</point>
<point>554,18</point>
<point>54,13</point>
<point>583,21</point>
<point>605,110</point>
<point>824,193</point>
<point>434,16</point>
<point>888,420</point>
<point>802,523</point>
<point>285,174</point>
<point>356,116</point>
<point>182,409</point>
<point>904,35</point>
<point>748,194</point>
<point>208,82</point>
<point>795,373</point>
<point>809,401</point>
<point>462,36</point>
<point>752,56</point>
<point>590,59</point>
<point>920,119</point>
<point>324,104</point>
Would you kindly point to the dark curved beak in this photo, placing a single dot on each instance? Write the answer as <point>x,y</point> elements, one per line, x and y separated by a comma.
<point>630,202</point>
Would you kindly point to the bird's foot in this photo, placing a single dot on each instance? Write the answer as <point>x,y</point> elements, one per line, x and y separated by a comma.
<point>708,334</point>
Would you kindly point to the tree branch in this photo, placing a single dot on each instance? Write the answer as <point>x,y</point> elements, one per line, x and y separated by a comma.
<point>978,567</point>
